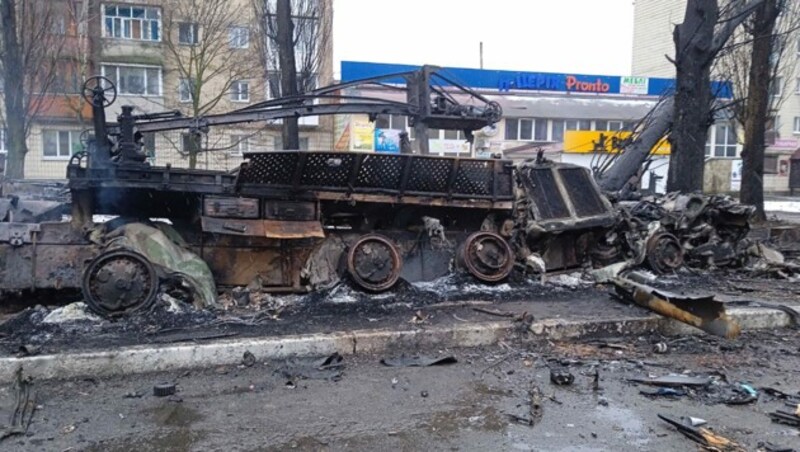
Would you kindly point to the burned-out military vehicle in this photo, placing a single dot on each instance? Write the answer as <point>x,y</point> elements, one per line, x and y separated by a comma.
<point>297,220</point>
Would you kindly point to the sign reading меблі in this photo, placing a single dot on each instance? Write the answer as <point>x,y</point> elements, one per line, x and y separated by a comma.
<point>633,85</point>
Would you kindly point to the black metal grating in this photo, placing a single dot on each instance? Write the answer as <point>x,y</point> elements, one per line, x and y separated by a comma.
<point>582,193</point>
<point>271,169</point>
<point>429,175</point>
<point>546,195</point>
<point>380,171</point>
<point>327,169</point>
<point>474,177</point>
<point>386,173</point>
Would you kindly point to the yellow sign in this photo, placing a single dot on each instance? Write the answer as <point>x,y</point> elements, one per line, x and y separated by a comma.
<point>587,141</point>
<point>363,135</point>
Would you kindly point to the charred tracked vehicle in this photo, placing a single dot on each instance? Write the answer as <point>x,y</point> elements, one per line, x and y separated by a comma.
<point>298,220</point>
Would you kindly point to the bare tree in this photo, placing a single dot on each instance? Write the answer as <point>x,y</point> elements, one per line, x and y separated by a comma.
<point>206,44</point>
<point>30,48</point>
<point>687,115</point>
<point>293,43</point>
<point>754,63</point>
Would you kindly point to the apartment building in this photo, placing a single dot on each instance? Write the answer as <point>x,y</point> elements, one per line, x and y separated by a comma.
<point>654,21</point>
<point>195,57</point>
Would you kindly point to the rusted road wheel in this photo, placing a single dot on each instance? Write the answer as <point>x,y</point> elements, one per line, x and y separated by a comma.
<point>487,256</point>
<point>119,282</point>
<point>374,262</point>
<point>664,252</point>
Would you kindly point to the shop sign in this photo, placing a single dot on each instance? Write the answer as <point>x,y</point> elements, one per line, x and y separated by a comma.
<point>387,140</point>
<point>363,135</point>
<point>597,86</point>
<point>633,85</point>
<point>588,141</point>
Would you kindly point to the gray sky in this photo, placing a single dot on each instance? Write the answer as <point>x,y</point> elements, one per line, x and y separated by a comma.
<point>579,36</point>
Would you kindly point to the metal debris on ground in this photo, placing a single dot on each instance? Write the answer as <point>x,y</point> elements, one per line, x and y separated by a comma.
<point>24,407</point>
<point>535,408</point>
<point>705,437</point>
<point>164,389</point>
<point>418,361</point>
<point>561,377</point>
<point>701,311</point>
<point>327,368</point>
<point>673,381</point>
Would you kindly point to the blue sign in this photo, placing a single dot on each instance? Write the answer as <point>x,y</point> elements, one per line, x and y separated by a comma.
<point>516,80</point>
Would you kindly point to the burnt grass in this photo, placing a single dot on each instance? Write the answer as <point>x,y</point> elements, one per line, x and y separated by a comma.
<point>344,308</point>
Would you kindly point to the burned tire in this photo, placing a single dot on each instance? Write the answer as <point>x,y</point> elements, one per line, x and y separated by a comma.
<point>487,256</point>
<point>374,263</point>
<point>664,253</point>
<point>119,282</point>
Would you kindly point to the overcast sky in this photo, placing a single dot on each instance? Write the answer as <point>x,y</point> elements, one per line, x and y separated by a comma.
<point>579,36</point>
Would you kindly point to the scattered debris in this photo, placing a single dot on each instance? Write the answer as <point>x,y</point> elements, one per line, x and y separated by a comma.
<point>673,381</point>
<point>494,312</point>
<point>663,392</point>
<point>328,368</point>
<point>134,395</point>
<point>696,421</point>
<point>248,359</point>
<point>164,389</point>
<point>704,437</point>
<point>660,348</point>
<point>424,394</point>
<point>786,417</point>
<point>418,361</point>
<point>561,377</point>
<point>24,407</point>
<point>702,311</point>
<point>74,312</point>
<point>535,408</point>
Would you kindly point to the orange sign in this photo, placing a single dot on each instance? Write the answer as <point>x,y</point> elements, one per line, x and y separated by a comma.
<point>598,86</point>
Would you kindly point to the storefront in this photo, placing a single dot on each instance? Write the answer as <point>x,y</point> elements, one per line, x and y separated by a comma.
<point>574,118</point>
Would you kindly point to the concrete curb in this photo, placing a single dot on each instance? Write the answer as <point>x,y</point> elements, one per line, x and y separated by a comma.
<point>143,359</point>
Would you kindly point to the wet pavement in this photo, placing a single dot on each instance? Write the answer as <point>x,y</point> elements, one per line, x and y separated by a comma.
<point>474,404</point>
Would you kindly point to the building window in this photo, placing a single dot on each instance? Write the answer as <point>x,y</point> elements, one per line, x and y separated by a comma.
<point>3,140</point>
<point>614,126</point>
<point>526,129</point>
<point>239,37</point>
<point>187,33</point>
<point>60,144</point>
<point>277,142</point>
<point>723,137</point>
<point>240,91</point>
<point>306,84</point>
<point>396,122</point>
<point>240,144</point>
<point>149,145</point>
<point>796,124</point>
<point>777,86</point>
<point>191,143</point>
<point>59,26</point>
<point>557,131</point>
<point>137,23</point>
<point>578,124</point>
<point>135,80</point>
<point>770,164</point>
<point>600,124</point>
<point>185,91</point>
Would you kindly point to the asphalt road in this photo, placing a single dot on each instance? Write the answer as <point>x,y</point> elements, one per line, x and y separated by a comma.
<point>474,404</point>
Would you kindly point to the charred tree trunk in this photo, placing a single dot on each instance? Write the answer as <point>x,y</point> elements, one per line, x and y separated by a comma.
<point>757,107</point>
<point>14,98</point>
<point>694,53</point>
<point>285,41</point>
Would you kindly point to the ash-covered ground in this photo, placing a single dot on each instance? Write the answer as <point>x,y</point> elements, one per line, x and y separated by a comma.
<point>448,300</point>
